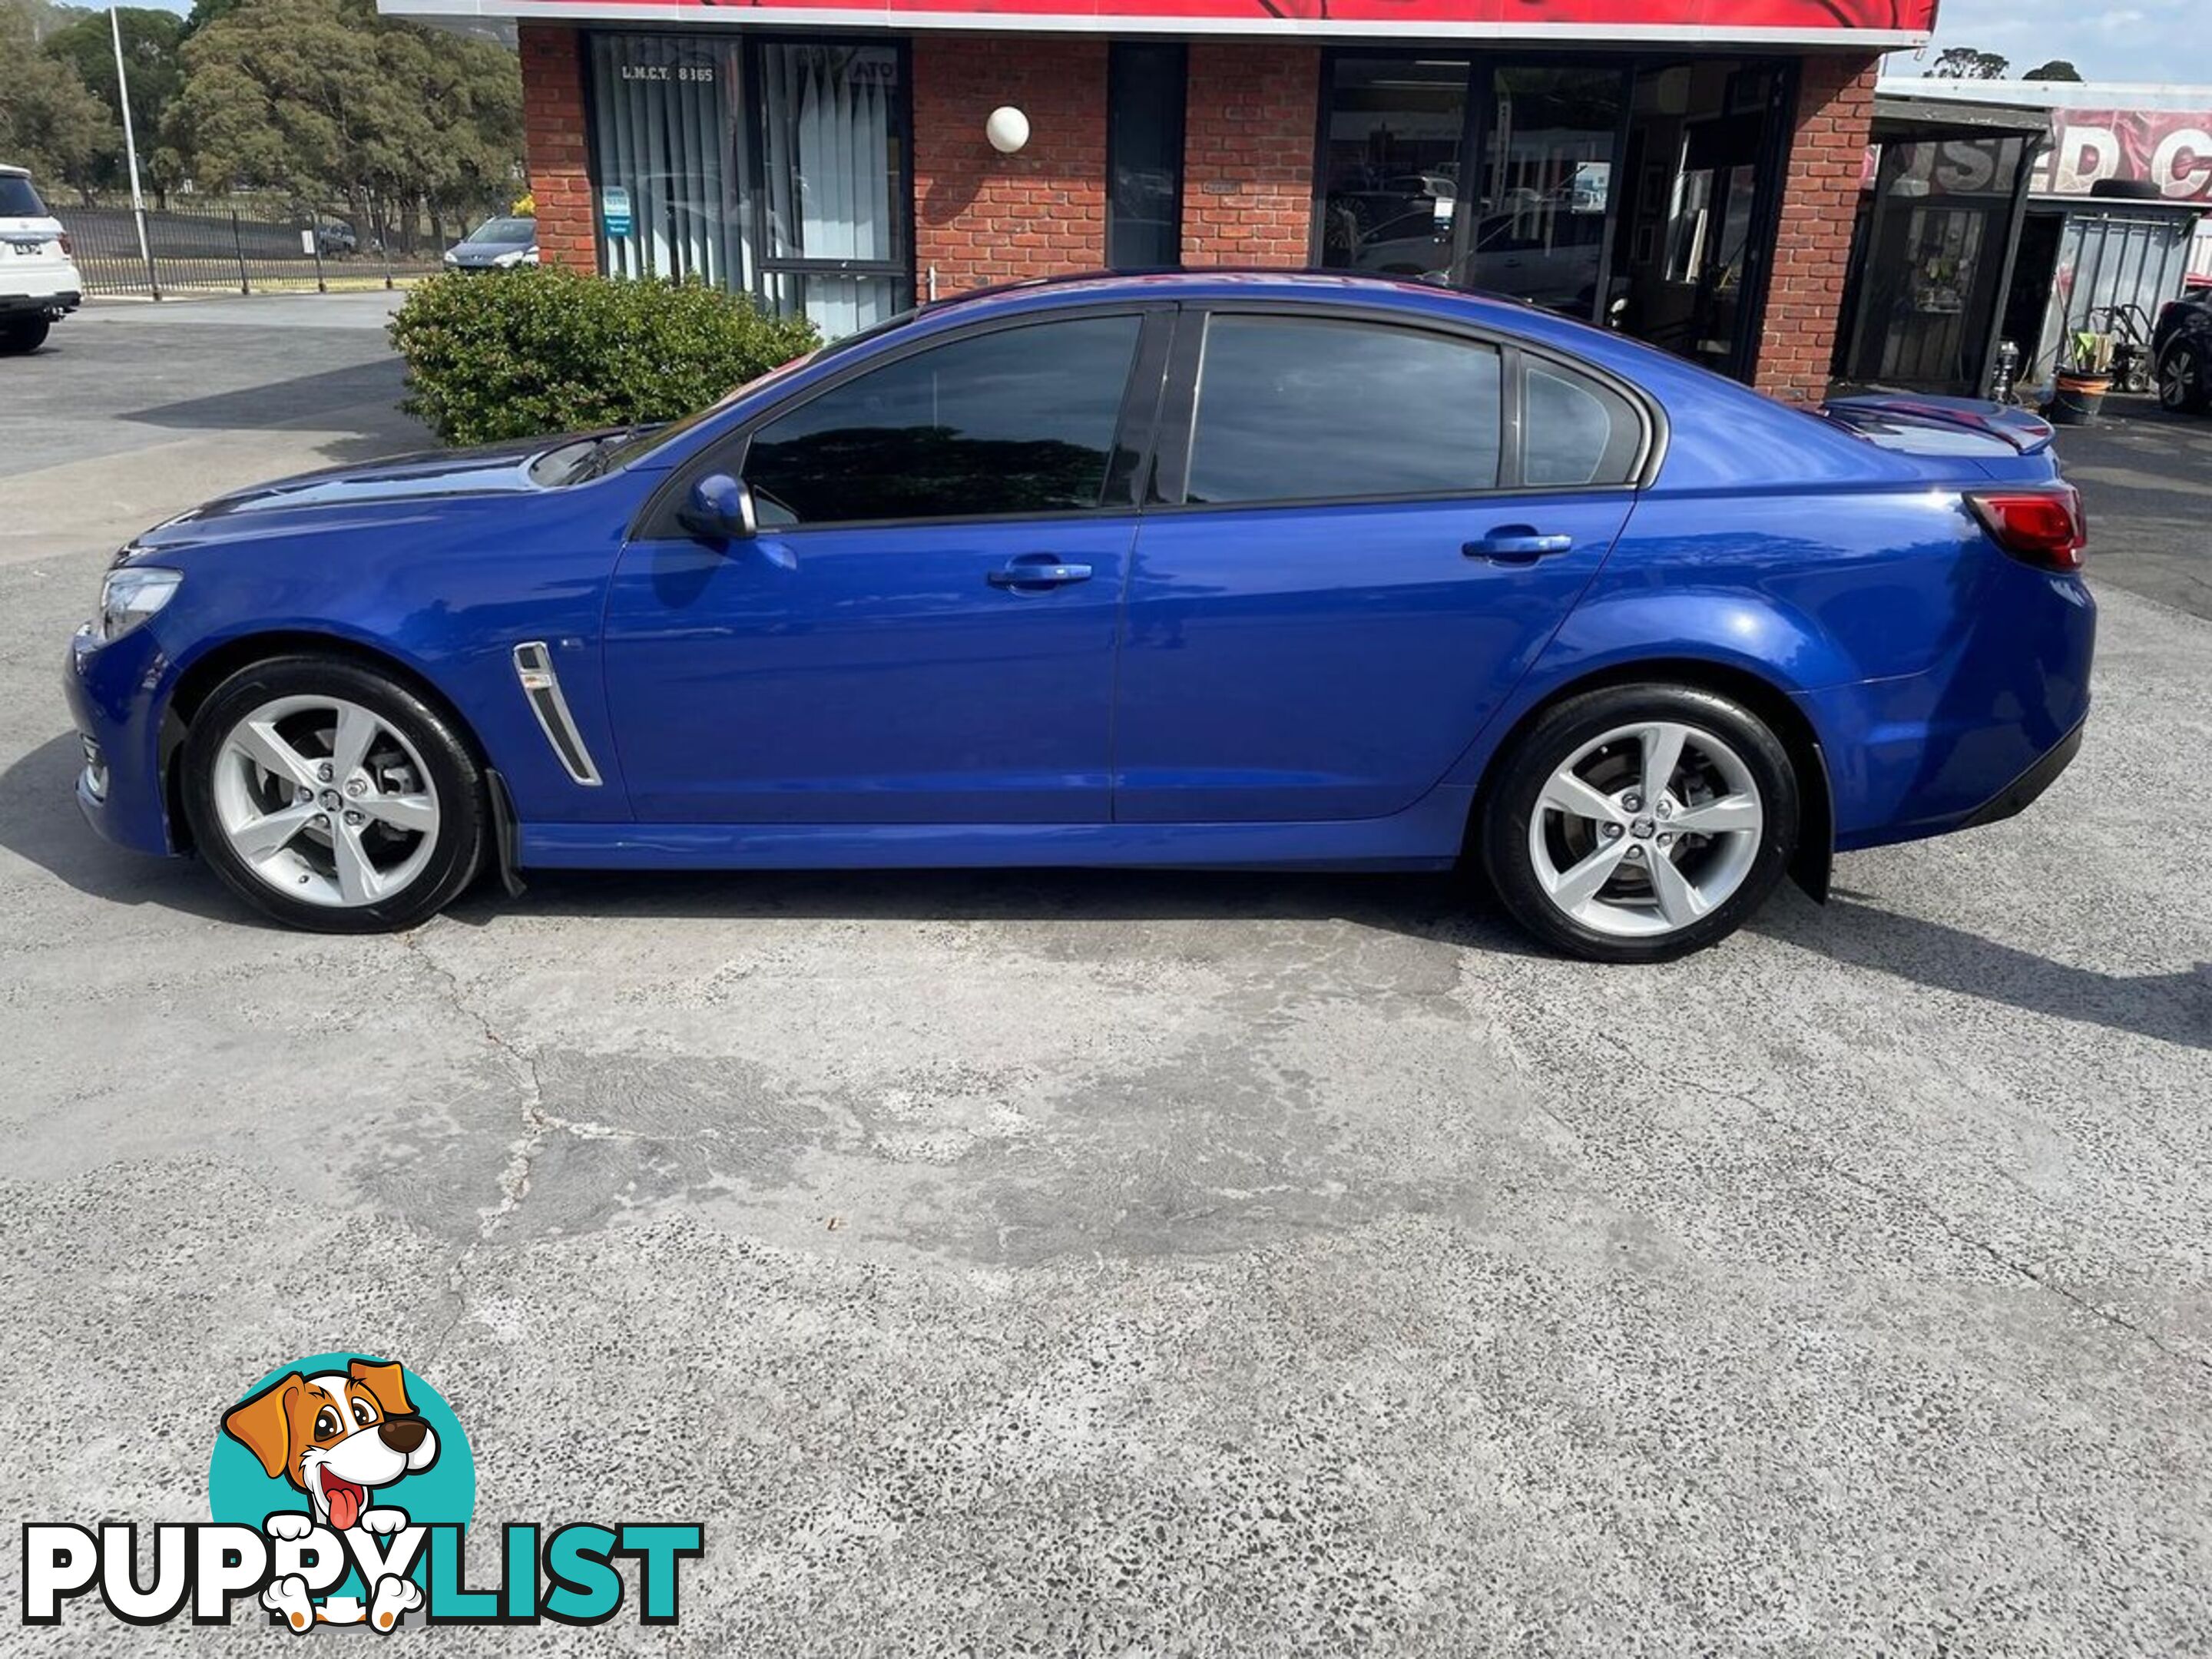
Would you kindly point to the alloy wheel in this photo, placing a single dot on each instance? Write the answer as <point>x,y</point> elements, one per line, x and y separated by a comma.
<point>1646,828</point>
<point>325,801</point>
<point>2176,386</point>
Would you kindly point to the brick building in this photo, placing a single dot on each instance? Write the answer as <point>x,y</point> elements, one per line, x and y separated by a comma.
<point>1689,175</point>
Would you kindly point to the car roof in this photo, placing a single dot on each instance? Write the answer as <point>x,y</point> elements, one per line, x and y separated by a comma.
<point>14,171</point>
<point>1265,283</point>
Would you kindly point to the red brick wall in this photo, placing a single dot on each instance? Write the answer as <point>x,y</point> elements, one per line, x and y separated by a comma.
<point>1819,192</point>
<point>980,216</point>
<point>1247,154</point>
<point>554,145</point>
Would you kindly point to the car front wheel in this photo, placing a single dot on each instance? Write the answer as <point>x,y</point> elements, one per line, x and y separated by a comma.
<point>2181,383</point>
<point>1639,822</point>
<point>332,797</point>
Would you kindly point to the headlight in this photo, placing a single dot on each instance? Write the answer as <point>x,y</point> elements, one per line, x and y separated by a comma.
<point>452,259</point>
<point>132,593</point>
<point>505,260</point>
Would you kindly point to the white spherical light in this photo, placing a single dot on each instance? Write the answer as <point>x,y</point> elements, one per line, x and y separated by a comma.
<point>1007,128</point>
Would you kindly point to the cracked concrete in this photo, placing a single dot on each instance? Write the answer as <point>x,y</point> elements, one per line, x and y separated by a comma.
<point>1091,1264</point>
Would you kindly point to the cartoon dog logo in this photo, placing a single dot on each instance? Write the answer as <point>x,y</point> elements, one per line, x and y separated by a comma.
<point>337,1436</point>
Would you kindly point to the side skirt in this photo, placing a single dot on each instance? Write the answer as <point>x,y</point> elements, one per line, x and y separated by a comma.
<point>1424,836</point>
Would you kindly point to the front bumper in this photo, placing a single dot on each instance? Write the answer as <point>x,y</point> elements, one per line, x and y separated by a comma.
<point>111,686</point>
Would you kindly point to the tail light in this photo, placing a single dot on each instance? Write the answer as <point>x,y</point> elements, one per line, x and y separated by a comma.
<point>64,240</point>
<point>2045,528</point>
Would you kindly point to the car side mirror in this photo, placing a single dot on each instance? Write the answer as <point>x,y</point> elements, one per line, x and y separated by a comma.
<point>720,508</point>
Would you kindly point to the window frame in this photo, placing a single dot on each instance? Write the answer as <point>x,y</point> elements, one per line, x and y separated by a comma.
<point>1128,459</point>
<point>1177,426</point>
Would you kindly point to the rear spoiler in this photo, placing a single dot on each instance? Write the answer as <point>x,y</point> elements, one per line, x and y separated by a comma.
<point>1896,419</point>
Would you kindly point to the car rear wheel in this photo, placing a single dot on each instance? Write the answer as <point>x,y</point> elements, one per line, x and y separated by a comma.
<point>24,334</point>
<point>2181,381</point>
<point>332,797</point>
<point>1639,822</point>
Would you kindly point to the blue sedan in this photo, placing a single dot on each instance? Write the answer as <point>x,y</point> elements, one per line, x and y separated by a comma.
<point>1203,569</point>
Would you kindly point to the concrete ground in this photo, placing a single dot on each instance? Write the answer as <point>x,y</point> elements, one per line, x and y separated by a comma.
<point>1107,1264</point>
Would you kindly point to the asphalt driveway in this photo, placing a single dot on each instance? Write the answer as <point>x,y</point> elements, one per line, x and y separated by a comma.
<point>1074,1264</point>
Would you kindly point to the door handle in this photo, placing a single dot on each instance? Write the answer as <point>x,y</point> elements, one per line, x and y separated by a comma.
<point>1517,543</point>
<point>1037,570</point>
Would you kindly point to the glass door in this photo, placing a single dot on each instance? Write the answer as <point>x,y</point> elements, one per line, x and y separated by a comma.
<point>1390,162</point>
<point>1539,208</point>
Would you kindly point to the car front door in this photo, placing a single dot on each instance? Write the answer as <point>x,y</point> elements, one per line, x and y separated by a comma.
<point>1364,547</point>
<point>923,629</point>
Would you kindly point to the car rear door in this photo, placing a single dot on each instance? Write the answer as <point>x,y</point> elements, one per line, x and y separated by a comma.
<point>1369,528</point>
<point>923,631</point>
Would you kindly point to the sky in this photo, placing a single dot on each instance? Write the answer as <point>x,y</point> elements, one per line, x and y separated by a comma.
<point>2133,41</point>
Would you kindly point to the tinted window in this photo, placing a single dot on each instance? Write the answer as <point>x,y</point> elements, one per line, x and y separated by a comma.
<point>1290,409</point>
<point>1144,154</point>
<point>1017,421</point>
<point>1576,431</point>
<point>18,200</point>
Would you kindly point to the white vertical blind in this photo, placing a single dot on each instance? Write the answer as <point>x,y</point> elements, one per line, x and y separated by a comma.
<point>670,127</point>
<point>829,120</point>
<point>666,112</point>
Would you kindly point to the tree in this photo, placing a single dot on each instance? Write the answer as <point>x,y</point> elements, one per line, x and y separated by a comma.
<point>50,121</point>
<point>1966,64</point>
<point>151,41</point>
<point>323,99</point>
<point>2057,69</point>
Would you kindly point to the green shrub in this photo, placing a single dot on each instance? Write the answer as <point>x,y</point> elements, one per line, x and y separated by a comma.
<point>512,354</point>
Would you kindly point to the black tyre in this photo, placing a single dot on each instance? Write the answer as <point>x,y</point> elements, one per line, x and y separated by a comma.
<point>1584,854</point>
<point>332,797</point>
<point>24,334</point>
<point>2183,385</point>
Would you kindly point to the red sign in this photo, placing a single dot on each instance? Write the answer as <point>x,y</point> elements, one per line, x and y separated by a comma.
<point>1822,22</point>
<point>2171,149</point>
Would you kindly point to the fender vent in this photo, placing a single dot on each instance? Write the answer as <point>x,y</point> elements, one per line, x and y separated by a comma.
<point>533,666</point>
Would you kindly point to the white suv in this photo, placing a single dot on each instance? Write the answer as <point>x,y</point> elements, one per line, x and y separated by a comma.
<point>38,279</point>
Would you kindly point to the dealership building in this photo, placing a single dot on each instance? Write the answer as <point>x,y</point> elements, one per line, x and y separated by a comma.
<point>1685,170</point>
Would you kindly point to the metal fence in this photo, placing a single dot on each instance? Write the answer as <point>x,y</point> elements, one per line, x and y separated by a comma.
<point>2110,257</point>
<point>201,248</point>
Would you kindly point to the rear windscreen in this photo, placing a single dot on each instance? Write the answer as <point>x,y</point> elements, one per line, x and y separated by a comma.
<point>18,200</point>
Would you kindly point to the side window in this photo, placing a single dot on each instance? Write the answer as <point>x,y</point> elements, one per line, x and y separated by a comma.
<point>1020,420</point>
<point>1575,431</point>
<point>1291,410</point>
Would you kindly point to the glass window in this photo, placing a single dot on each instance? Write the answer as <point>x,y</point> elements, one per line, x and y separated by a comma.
<point>18,200</point>
<point>1390,163</point>
<point>1020,420</point>
<point>1290,409</point>
<point>781,171</point>
<point>835,189</point>
<point>1575,431</point>
<point>664,113</point>
<point>1144,155</point>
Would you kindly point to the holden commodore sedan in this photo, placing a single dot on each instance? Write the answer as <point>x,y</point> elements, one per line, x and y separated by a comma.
<point>1202,569</point>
